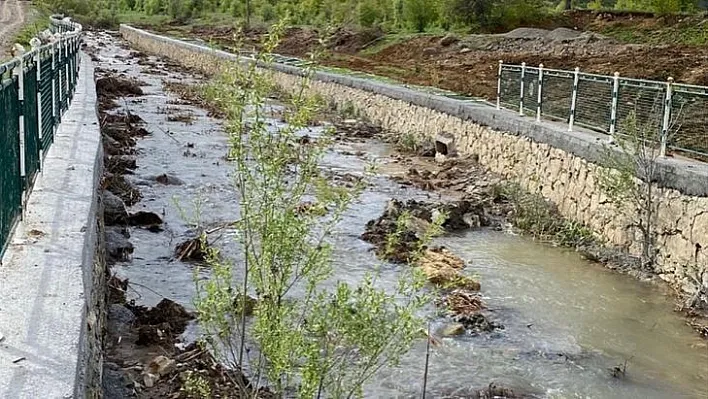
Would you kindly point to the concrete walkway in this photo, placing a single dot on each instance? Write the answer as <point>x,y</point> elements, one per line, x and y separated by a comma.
<point>46,274</point>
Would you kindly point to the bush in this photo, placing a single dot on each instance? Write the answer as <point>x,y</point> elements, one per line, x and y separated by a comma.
<point>512,14</point>
<point>153,7</point>
<point>657,6</point>
<point>179,10</point>
<point>370,13</point>
<point>419,14</point>
<point>467,13</point>
<point>268,12</point>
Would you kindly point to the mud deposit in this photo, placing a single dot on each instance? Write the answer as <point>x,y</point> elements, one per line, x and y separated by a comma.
<point>541,323</point>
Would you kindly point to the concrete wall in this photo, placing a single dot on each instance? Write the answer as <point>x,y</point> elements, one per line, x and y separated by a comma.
<point>543,157</point>
<point>52,295</point>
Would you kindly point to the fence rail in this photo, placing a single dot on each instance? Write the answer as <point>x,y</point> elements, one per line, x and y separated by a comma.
<point>678,112</point>
<point>35,90</point>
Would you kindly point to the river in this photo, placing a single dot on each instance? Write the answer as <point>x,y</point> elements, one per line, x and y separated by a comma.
<point>567,321</point>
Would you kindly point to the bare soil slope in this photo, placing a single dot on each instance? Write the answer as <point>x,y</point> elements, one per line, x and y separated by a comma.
<point>468,64</point>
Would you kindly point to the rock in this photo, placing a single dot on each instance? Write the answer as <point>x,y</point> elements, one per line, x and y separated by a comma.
<point>117,289</point>
<point>248,307</point>
<point>161,324</point>
<point>453,330</point>
<point>465,50</point>
<point>459,213</point>
<point>118,185</point>
<point>461,302</point>
<point>311,208</point>
<point>143,218</point>
<point>113,87</point>
<point>478,323</point>
<point>448,40</point>
<point>427,149</point>
<point>115,383</point>
<point>121,164</point>
<point>443,269</point>
<point>114,212</point>
<point>168,180</point>
<point>118,248</point>
<point>494,391</point>
<point>352,128</point>
<point>161,365</point>
<point>120,320</point>
<point>429,51</point>
<point>472,220</point>
<point>149,380</point>
<point>111,146</point>
<point>191,250</point>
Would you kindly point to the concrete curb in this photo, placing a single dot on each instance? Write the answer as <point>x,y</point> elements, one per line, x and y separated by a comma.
<point>684,175</point>
<point>46,277</point>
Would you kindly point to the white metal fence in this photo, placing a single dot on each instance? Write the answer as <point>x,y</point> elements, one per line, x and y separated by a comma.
<point>678,111</point>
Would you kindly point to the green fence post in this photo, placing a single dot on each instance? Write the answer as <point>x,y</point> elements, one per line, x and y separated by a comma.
<point>19,72</point>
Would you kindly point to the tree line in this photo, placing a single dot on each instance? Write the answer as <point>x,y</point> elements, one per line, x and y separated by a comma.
<point>415,15</point>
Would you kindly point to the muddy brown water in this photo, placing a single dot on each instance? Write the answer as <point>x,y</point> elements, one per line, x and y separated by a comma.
<point>567,321</point>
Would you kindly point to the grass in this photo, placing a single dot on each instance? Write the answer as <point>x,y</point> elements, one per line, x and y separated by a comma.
<point>537,217</point>
<point>37,21</point>
<point>688,32</point>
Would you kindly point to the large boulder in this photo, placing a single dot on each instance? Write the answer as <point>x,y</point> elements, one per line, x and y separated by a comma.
<point>115,212</point>
<point>448,40</point>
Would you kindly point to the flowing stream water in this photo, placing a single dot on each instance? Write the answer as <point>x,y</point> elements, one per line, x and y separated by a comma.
<point>567,321</point>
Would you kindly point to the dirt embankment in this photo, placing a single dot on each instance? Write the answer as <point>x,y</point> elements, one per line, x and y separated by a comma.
<point>12,17</point>
<point>468,64</point>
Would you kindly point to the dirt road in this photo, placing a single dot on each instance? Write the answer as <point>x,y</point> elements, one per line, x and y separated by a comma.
<point>12,17</point>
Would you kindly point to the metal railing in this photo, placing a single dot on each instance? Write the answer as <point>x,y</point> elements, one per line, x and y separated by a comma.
<point>601,103</point>
<point>35,90</point>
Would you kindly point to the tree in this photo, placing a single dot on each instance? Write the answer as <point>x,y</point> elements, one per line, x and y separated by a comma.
<point>629,181</point>
<point>321,342</point>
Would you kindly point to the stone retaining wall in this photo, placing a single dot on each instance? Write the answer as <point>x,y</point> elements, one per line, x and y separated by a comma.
<point>541,156</point>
